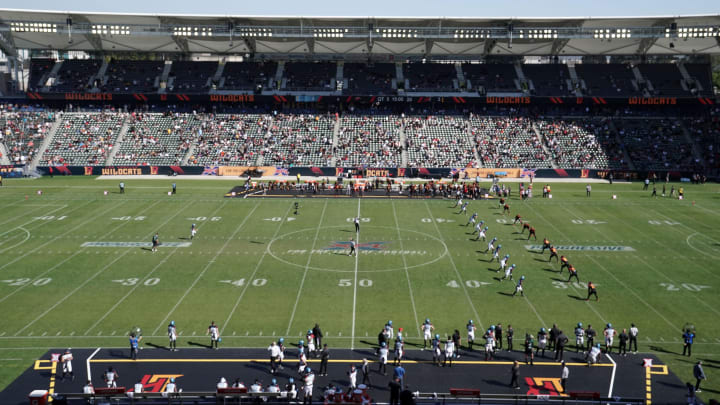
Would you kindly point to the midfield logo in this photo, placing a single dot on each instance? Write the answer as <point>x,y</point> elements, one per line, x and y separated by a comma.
<point>369,246</point>
<point>156,382</point>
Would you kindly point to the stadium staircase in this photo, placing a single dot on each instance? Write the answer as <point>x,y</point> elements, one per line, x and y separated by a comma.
<point>399,78</point>
<point>279,76</point>
<point>618,139</point>
<point>118,141</point>
<point>164,78</point>
<point>339,76</point>
<point>468,132</point>
<point>523,84</point>
<point>687,79</point>
<point>336,135</point>
<point>100,75</point>
<point>52,75</point>
<point>697,155</point>
<point>4,159</point>
<point>403,141</point>
<point>549,154</point>
<point>46,142</point>
<point>575,82</point>
<point>218,76</point>
<point>460,77</point>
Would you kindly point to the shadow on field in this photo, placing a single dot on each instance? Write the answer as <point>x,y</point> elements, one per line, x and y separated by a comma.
<point>540,260</point>
<point>510,225</point>
<point>146,248</point>
<point>347,230</point>
<point>257,242</point>
<point>574,296</point>
<point>661,350</point>
<point>497,278</point>
<point>521,239</point>
<point>183,238</point>
<point>154,346</point>
<point>119,354</point>
<point>552,270</point>
<point>505,294</point>
<point>199,345</point>
<point>496,383</point>
<point>557,279</point>
<point>491,269</point>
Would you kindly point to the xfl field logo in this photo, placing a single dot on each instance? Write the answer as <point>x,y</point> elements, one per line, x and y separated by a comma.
<point>544,386</point>
<point>156,382</point>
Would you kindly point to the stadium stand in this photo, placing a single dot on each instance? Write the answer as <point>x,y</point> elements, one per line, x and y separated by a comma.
<point>22,132</point>
<point>230,139</point>
<point>656,144</point>
<point>365,78</point>
<point>607,80</point>
<point>438,141</point>
<point>508,142</point>
<point>299,140</point>
<point>665,78</point>
<point>428,77</point>
<point>191,77</point>
<point>157,139</point>
<point>372,141</point>
<point>491,77</point>
<point>83,139</point>
<point>310,76</point>
<point>700,73</point>
<point>38,69</point>
<point>75,74</point>
<point>582,143</point>
<point>548,79</point>
<point>705,132</point>
<point>248,75</point>
<point>125,76</point>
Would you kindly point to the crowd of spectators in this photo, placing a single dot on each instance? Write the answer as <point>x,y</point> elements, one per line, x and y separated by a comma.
<point>84,139</point>
<point>230,139</point>
<point>588,143</point>
<point>656,144</point>
<point>369,141</point>
<point>508,142</point>
<point>438,141</point>
<point>299,140</point>
<point>153,138</point>
<point>23,132</point>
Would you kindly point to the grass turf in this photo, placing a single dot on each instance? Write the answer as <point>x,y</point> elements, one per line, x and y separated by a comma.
<point>261,271</point>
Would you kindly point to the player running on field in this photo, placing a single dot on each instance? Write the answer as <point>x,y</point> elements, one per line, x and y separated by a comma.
<point>491,245</point>
<point>459,201</point>
<point>564,263</point>
<point>193,231</point>
<point>519,286</point>
<point>496,253</point>
<point>532,233</point>
<point>526,225</point>
<point>470,333</point>
<point>478,227</point>
<point>573,273</point>
<point>155,242</point>
<point>546,245</point>
<point>508,273</point>
<point>463,209</point>
<point>472,219</point>
<point>592,291</point>
<point>503,263</point>
<point>481,234</point>
<point>518,218</point>
<point>579,338</point>
<point>427,328</point>
<point>553,253</point>
<point>506,209</point>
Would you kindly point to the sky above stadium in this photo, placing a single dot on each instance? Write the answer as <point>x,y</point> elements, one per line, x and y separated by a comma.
<point>394,8</point>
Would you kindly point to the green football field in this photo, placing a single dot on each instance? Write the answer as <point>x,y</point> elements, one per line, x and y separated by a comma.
<point>262,271</point>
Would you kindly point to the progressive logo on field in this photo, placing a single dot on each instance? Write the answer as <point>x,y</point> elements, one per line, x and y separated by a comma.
<point>585,248</point>
<point>134,244</point>
<point>368,246</point>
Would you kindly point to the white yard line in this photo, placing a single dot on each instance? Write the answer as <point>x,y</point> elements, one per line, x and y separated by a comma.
<point>457,273</point>
<point>27,236</point>
<point>530,304</point>
<point>257,267</point>
<point>32,220</point>
<point>24,214</point>
<point>357,256</point>
<point>407,273</point>
<point>87,364</point>
<point>307,264</point>
<point>612,377</point>
<point>207,266</point>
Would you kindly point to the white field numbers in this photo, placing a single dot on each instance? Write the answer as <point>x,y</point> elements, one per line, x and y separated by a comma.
<point>129,218</point>
<point>686,286</point>
<point>468,283</point>
<point>19,282</point>
<point>200,219</point>
<point>258,282</point>
<point>274,219</point>
<point>346,282</point>
<point>438,220</point>
<point>51,218</point>
<point>133,281</point>
<point>587,222</point>
<point>564,285</point>
<point>663,222</point>
<point>361,219</point>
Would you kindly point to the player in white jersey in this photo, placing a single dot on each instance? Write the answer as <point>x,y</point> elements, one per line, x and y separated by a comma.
<point>310,342</point>
<point>389,331</point>
<point>67,368</point>
<point>449,351</point>
<point>496,253</point>
<point>594,354</point>
<point>470,333</point>
<point>478,227</point>
<point>491,245</point>
<point>172,335</point>
<point>503,263</point>
<point>472,219</point>
<point>609,336</point>
<point>463,209</point>
<point>458,202</point>
<point>489,337</point>
<point>193,231</point>
<point>508,273</point>
<point>302,358</point>
<point>437,352</point>
<point>214,333</point>
<point>427,328</point>
<point>309,380</point>
<point>481,234</point>
<point>579,338</point>
<point>519,286</point>
<point>383,355</point>
<point>111,376</point>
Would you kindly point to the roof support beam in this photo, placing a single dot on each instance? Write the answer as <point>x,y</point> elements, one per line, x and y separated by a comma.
<point>645,45</point>
<point>182,43</point>
<point>488,46</point>
<point>7,45</point>
<point>558,45</point>
<point>95,41</point>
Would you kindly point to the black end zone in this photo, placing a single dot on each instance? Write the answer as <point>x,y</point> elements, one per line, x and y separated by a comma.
<point>200,369</point>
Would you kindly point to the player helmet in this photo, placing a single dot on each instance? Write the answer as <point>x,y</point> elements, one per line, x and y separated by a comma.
<point>273,381</point>
<point>172,323</point>
<point>291,380</point>
<point>609,325</point>
<point>390,323</point>
<point>437,336</point>
<point>301,343</point>
<point>67,350</point>
<point>597,345</point>
<point>172,380</point>
<point>308,370</point>
<point>499,246</point>
<point>427,320</point>
<point>492,327</point>
<point>400,329</point>
<point>506,256</point>
<point>486,228</point>
<point>542,330</point>
<point>522,277</point>
<point>470,322</point>
<point>281,340</point>
<point>579,325</point>
<point>193,225</point>
<point>309,331</point>
<point>382,344</point>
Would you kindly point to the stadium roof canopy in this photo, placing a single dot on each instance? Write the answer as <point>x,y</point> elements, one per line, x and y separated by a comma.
<point>358,37</point>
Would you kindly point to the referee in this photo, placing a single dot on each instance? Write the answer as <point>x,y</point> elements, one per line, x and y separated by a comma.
<point>352,247</point>
<point>357,224</point>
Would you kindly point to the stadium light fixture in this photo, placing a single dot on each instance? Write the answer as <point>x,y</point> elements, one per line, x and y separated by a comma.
<point>696,32</point>
<point>396,32</point>
<point>329,32</point>
<point>110,29</point>
<point>618,33</point>
<point>255,32</point>
<point>542,34</point>
<point>471,34</point>
<point>33,27</point>
<point>192,31</point>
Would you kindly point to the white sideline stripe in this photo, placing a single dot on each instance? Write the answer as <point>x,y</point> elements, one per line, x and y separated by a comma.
<point>565,236</point>
<point>257,267</point>
<point>167,257</point>
<point>612,377</point>
<point>87,364</point>
<point>46,243</point>
<point>207,266</point>
<point>302,282</point>
<point>407,273</point>
<point>357,256</point>
<point>457,273</point>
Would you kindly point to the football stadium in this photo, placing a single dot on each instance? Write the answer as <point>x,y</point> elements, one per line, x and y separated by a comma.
<point>208,209</point>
